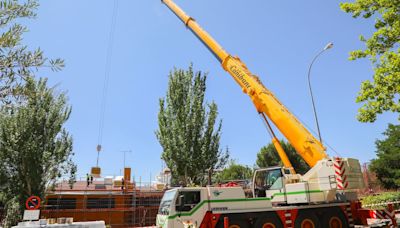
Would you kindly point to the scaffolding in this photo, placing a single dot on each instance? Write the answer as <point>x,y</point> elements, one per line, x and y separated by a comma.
<point>116,208</point>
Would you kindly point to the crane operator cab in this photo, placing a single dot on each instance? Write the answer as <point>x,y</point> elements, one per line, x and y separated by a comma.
<point>270,183</point>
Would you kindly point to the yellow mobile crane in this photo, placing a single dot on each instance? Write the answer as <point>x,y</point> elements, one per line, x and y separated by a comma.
<point>308,147</point>
<point>325,190</point>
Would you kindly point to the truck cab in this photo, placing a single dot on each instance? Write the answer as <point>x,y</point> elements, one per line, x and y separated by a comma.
<point>270,183</point>
<point>179,203</point>
<point>185,207</point>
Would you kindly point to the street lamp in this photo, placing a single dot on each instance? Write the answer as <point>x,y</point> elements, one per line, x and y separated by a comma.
<point>328,46</point>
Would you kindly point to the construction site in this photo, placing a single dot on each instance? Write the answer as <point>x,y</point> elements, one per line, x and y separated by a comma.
<point>108,199</point>
<point>322,188</point>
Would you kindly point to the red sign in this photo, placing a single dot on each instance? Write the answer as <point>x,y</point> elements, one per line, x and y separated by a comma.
<point>32,203</point>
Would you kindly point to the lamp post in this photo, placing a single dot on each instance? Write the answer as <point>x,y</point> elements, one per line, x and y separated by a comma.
<point>328,46</point>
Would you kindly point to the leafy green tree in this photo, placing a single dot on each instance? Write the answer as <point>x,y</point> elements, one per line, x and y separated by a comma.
<point>235,171</point>
<point>72,177</point>
<point>13,212</point>
<point>35,148</point>
<point>17,62</point>
<point>188,130</point>
<point>23,171</point>
<point>268,156</point>
<point>387,165</point>
<point>382,48</point>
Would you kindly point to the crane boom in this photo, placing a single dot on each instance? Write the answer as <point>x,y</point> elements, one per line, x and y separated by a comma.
<point>306,145</point>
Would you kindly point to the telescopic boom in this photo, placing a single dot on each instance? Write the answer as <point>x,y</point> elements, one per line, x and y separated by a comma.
<point>306,145</point>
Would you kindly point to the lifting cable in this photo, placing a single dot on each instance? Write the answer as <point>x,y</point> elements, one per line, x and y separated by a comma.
<point>315,133</point>
<point>272,134</point>
<point>106,78</point>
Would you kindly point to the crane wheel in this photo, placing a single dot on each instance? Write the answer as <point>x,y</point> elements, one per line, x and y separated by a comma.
<point>268,221</point>
<point>307,219</point>
<point>334,218</point>
<point>238,224</point>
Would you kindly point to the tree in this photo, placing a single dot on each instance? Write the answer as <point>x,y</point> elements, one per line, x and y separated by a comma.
<point>187,128</point>
<point>387,166</point>
<point>235,171</point>
<point>268,156</point>
<point>35,148</point>
<point>17,62</point>
<point>382,93</point>
<point>19,94</point>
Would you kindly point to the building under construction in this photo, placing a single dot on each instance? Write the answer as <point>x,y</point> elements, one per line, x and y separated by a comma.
<point>119,202</point>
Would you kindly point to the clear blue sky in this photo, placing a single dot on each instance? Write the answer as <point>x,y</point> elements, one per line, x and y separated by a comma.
<point>276,39</point>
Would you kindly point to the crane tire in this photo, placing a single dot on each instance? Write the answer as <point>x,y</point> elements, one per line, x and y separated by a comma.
<point>268,221</point>
<point>334,218</point>
<point>307,219</point>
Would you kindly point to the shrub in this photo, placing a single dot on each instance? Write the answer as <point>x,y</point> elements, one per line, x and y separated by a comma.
<point>382,198</point>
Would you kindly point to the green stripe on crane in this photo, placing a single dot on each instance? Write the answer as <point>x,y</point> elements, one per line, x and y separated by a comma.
<point>215,201</point>
<point>191,212</point>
